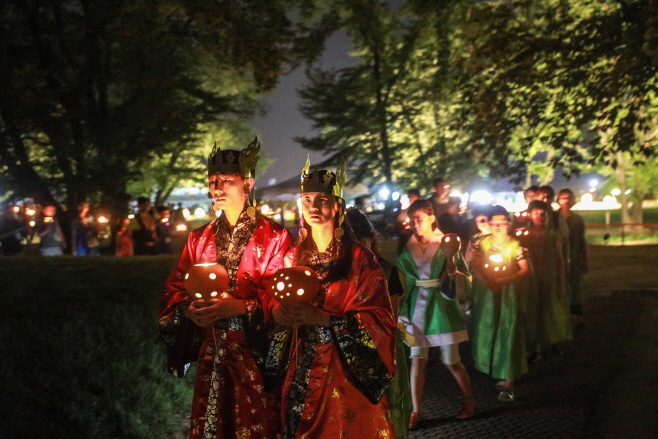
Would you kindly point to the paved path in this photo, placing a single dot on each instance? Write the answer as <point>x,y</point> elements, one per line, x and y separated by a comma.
<point>604,385</point>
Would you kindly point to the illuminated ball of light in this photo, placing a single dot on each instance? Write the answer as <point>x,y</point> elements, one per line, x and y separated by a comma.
<point>199,212</point>
<point>294,285</point>
<point>206,280</point>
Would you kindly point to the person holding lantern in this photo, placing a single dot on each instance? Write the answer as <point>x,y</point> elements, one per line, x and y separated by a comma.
<point>430,310</point>
<point>499,289</point>
<point>547,307</point>
<point>225,332</point>
<point>336,354</point>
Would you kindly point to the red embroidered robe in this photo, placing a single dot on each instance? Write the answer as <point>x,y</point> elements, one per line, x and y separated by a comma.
<point>336,377</point>
<point>229,397</point>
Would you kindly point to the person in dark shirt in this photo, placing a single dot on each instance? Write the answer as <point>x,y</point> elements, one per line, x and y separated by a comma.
<point>48,229</point>
<point>12,232</point>
<point>439,197</point>
<point>163,229</point>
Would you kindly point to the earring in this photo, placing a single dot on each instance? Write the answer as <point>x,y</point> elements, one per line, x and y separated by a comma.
<point>247,191</point>
<point>209,195</point>
<point>338,231</point>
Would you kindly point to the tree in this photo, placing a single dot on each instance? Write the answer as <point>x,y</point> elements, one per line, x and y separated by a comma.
<point>577,79</point>
<point>391,114</point>
<point>88,87</point>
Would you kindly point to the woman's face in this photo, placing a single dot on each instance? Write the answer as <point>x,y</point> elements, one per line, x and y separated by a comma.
<point>499,225</point>
<point>482,224</point>
<point>538,217</point>
<point>318,208</point>
<point>421,223</point>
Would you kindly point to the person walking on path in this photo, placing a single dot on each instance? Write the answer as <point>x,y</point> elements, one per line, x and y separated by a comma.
<point>226,335</point>
<point>499,290</point>
<point>577,255</point>
<point>337,368</point>
<point>547,307</point>
<point>430,310</point>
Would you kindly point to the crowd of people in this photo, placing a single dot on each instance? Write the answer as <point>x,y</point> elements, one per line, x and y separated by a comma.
<point>337,366</point>
<point>148,232</point>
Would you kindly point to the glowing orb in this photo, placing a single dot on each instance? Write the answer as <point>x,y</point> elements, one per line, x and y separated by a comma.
<point>294,285</point>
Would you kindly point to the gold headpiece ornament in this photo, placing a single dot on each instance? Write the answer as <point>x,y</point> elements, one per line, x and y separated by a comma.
<point>231,161</point>
<point>323,180</point>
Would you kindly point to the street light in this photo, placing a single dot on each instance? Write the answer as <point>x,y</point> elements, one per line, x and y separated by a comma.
<point>594,182</point>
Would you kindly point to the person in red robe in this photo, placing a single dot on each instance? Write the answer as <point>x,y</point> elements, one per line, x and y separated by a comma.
<point>337,367</point>
<point>227,335</point>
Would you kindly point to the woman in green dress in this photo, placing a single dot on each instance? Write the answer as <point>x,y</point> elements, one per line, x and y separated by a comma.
<point>430,310</point>
<point>577,255</point>
<point>499,289</point>
<point>547,308</point>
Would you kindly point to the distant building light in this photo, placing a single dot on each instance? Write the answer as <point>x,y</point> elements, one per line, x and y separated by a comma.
<point>264,209</point>
<point>482,197</point>
<point>628,192</point>
<point>271,181</point>
<point>131,216</point>
<point>586,199</point>
<point>277,216</point>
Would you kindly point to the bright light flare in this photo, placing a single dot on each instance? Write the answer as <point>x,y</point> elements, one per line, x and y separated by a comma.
<point>199,212</point>
<point>395,196</point>
<point>102,219</point>
<point>496,258</point>
<point>181,227</point>
<point>186,212</point>
<point>482,197</point>
<point>264,209</point>
<point>30,212</point>
<point>384,193</point>
<point>616,192</point>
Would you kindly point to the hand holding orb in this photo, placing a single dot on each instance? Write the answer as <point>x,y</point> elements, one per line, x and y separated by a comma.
<point>450,245</point>
<point>294,285</point>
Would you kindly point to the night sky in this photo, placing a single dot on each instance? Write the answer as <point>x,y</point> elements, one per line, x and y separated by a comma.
<point>283,121</point>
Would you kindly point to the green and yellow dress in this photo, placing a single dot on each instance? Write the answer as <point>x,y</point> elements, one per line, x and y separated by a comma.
<point>497,327</point>
<point>430,311</point>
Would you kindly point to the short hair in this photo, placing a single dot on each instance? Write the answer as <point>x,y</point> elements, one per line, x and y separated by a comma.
<point>537,204</point>
<point>498,210</point>
<point>438,180</point>
<point>142,200</point>
<point>533,188</point>
<point>413,192</point>
<point>482,209</point>
<point>452,201</point>
<point>549,191</point>
<point>566,191</point>
<point>423,206</point>
<point>361,227</point>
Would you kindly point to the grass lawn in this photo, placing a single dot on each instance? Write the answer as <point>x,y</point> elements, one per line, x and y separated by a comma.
<point>80,355</point>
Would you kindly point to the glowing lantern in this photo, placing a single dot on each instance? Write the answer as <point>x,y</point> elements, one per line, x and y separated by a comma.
<point>30,212</point>
<point>181,227</point>
<point>102,219</point>
<point>294,285</point>
<point>206,281</point>
<point>450,245</point>
<point>495,265</point>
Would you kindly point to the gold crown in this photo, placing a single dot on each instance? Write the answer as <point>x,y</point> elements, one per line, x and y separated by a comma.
<point>231,161</point>
<point>323,180</point>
